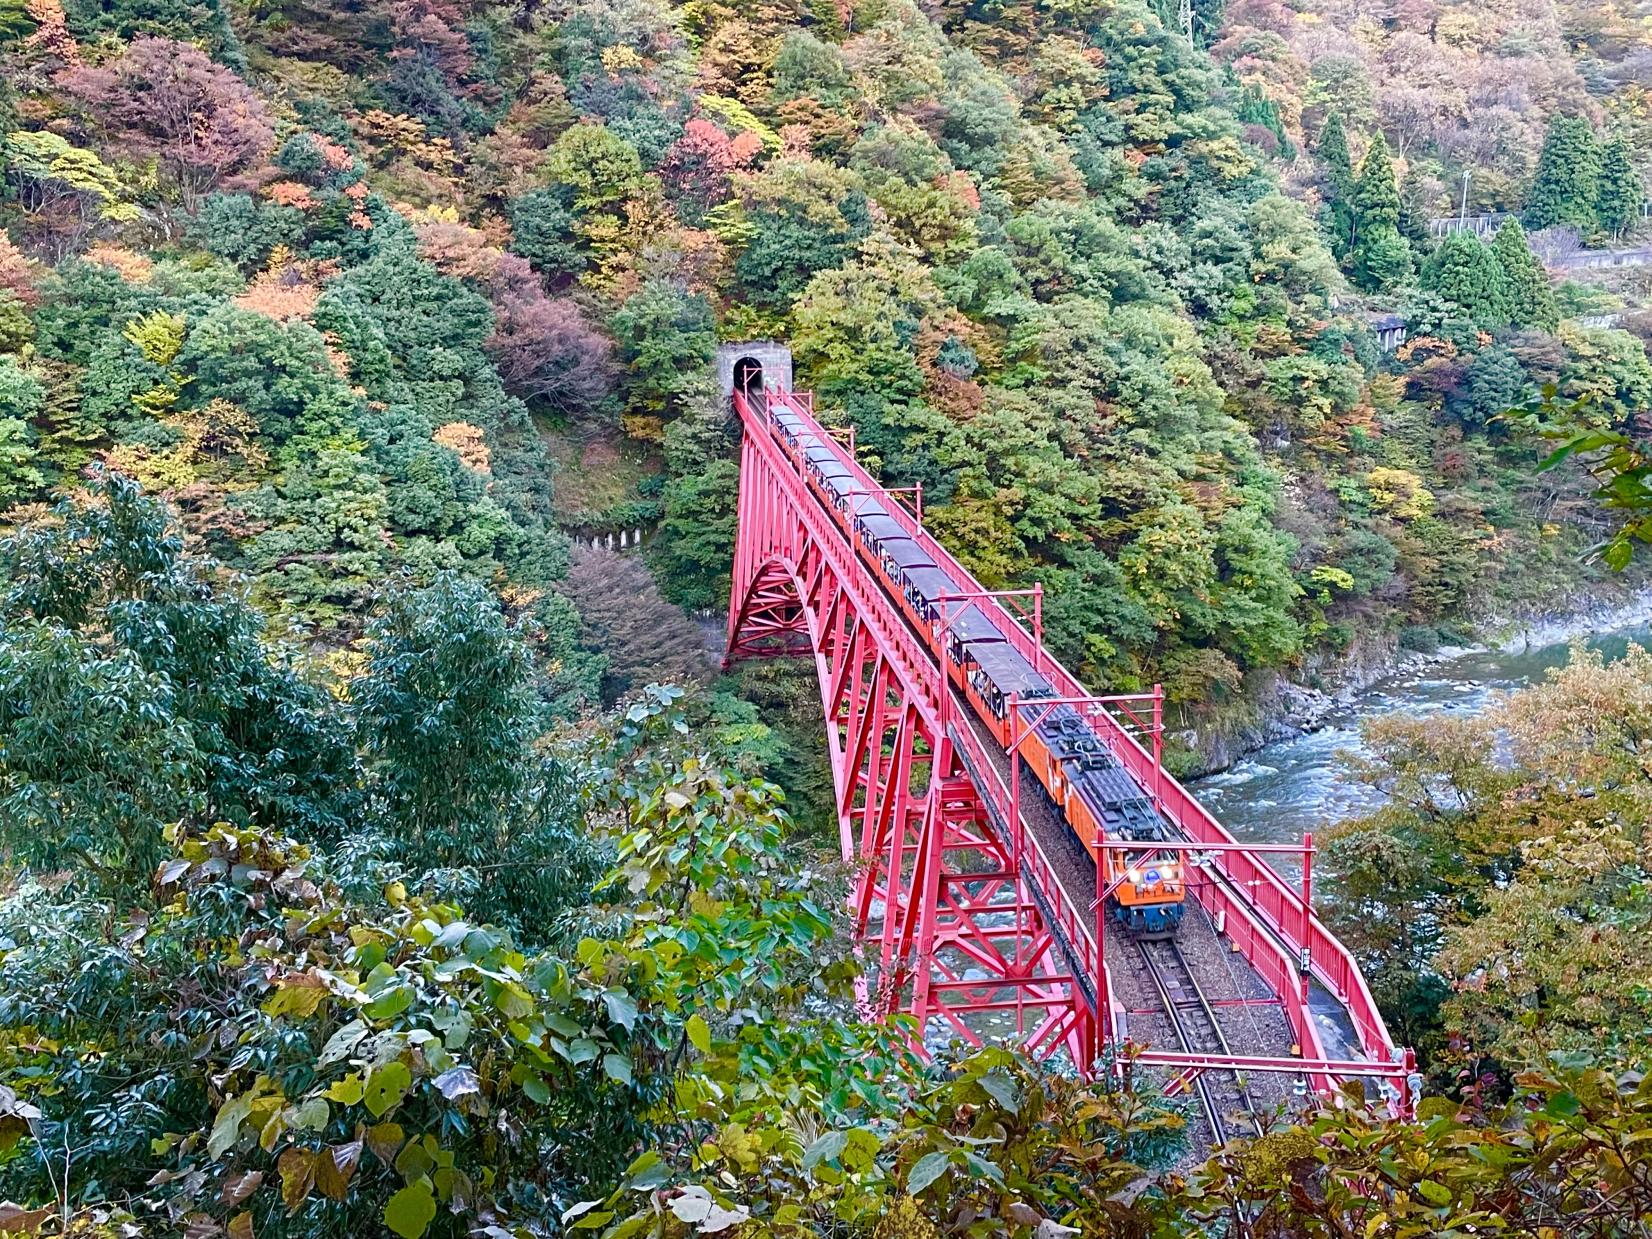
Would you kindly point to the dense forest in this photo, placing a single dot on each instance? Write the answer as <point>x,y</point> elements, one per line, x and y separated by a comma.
<point>1460,86</point>
<point>348,285</point>
<point>359,873</point>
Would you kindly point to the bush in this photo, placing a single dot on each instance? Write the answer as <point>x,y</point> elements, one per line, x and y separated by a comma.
<point>1421,638</point>
<point>542,231</point>
<point>236,227</point>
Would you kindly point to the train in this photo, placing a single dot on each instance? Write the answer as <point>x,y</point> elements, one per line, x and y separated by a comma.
<point>1069,765</point>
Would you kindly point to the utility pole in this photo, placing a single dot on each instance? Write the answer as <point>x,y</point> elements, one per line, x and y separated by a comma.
<point>1462,211</point>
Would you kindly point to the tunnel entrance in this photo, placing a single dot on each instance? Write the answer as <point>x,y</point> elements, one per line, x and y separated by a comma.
<point>750,366</point>
<point>748,377</point>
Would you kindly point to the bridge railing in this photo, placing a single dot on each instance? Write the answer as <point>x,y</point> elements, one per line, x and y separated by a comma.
<point>1268,923</point>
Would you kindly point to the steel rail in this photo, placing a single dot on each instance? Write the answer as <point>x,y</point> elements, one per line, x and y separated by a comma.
<point>1175,1011</point>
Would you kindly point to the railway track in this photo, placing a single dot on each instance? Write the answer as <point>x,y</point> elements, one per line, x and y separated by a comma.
<point>1222,1094</point>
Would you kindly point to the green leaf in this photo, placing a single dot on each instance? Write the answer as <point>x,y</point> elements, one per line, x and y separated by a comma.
<point>386,1087</point>
<point>861,1149</point>
<point>828,1148</point>
<point>411,1210</point>
<point>513,1001</point>
<point>926,1170</point>
<point>1003,1090</point>
<point>699,1034</point>
<point>579,1210</point>
<point>451,935</point>
<point>583,1051</point>
<point>559,1023</point>
<point>312,1115</point>
<point>646,1172</point>
<point>414,1160</point>
<point>631,1226</point>
<point>617,1067</point>
<point>342,1042</point>
<point>348,1091</point>
<point>227,1126</point>
<point>980,1168</point>
<point>391,1003</point>
<point>533,1084</point>
<point>455,1027</point>
<point>1434,1193</point>
<point>622,1008</point>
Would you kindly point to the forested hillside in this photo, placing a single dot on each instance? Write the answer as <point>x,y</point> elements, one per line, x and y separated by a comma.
<point>337,896</point>
<point>279,962</point>
<point>1456,85</point>
<point>343,281</point>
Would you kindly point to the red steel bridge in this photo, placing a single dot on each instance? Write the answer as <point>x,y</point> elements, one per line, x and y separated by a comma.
<point>970,909</point>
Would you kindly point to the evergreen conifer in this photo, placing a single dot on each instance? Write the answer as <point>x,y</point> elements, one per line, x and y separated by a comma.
<point>1332,150</point>
<point>1568,174</point>
<point>1466,272</point>
<point>1618,193</point>
<point>1380,256</point>
<point>1530,297</point>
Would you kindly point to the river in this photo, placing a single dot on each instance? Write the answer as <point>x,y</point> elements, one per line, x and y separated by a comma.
<point>1297,785</point>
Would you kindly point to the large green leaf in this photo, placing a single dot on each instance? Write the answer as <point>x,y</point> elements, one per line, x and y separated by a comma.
<point>387,1085</point>
<point>926,1170</point>
<point>411,1210</point>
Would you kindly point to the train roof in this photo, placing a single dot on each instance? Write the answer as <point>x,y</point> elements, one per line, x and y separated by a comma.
<point>907,553</point>
<point>820,454</point>
<point>930,583</point>
<point>1009,672</point>
<point>971,625</point>
<point>881,525</point>
<point>831,468</point>
<point>1080,743</point>
<point>864,506</point>
<point>1120,804</point>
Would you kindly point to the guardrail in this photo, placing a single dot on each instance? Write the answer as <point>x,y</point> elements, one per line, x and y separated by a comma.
<point>873,604</point>
<point>1071,931</point>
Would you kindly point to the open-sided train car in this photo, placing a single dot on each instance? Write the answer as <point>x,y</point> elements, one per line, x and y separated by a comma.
<point>1066,761</point>
<point>1101,800</point>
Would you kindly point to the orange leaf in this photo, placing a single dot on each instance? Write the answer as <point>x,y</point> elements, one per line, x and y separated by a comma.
<point>335,1167</point>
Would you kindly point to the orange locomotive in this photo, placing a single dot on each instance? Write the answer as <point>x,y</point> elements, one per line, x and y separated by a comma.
<point>1065,760</point>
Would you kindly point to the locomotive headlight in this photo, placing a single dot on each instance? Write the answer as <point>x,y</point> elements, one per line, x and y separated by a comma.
<point>1134,875</point>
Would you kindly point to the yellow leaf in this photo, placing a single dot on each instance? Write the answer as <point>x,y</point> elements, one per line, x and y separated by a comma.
<point>348,1091</point>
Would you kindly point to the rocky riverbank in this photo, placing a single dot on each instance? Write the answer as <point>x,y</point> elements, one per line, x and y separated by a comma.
<point>1278,707</point>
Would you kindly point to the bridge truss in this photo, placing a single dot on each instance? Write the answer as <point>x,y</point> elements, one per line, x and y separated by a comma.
<point>960,912</point>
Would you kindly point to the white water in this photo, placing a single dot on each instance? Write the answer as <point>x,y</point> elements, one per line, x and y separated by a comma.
<point>1298,785</point>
